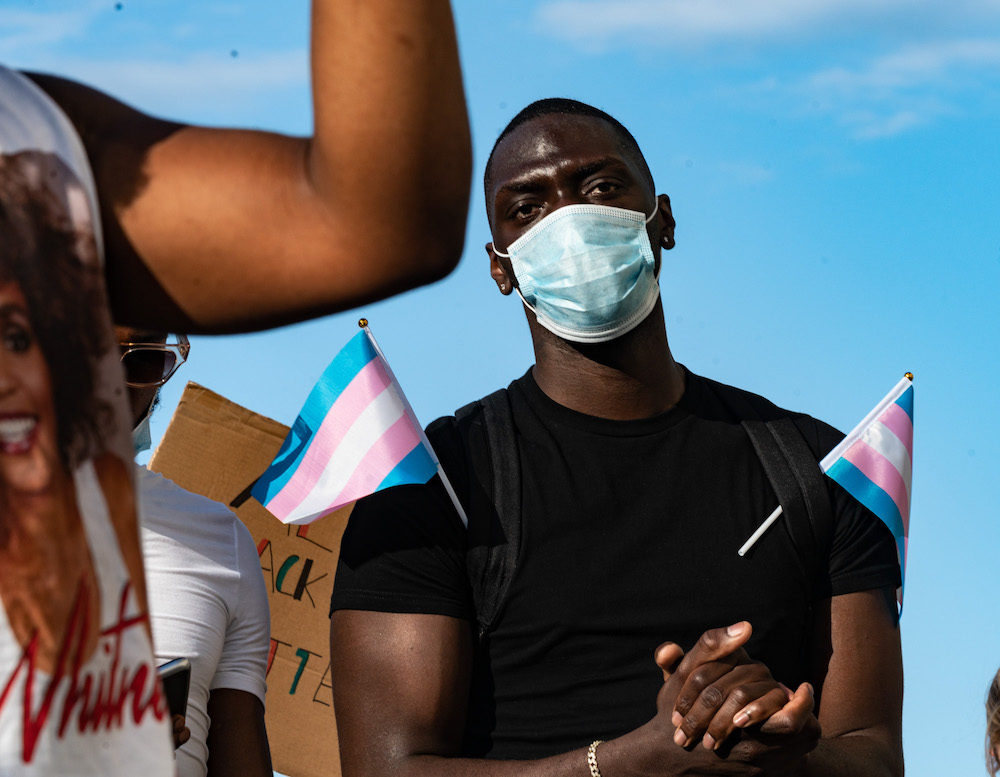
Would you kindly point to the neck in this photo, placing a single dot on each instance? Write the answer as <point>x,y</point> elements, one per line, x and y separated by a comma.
<point>634,376</point>
<point>32,520</point>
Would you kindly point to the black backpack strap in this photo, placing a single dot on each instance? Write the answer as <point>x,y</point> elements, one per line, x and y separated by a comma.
<point>793,471</point>
<point>487,427</point>
<point>798,483</point>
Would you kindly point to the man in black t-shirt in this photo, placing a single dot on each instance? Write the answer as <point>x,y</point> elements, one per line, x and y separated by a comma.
<point>638,486</point>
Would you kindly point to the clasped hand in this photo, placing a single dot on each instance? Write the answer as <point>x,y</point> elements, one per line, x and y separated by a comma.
<point>721,707</point>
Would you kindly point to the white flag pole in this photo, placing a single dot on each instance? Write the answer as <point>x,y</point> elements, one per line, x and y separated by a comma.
<point>454,498</point>
<point>363,323</point>
<point>760,531</point>
<point>904,383</point>
<point>837,452</point>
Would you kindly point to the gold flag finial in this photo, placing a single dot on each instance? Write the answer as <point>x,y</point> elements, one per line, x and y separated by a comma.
<point>909,376</point>
<point>363,322</point>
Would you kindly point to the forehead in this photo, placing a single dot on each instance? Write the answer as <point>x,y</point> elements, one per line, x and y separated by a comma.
<point>11,295</point>
<point>126,334</point>
<point>548,143</point>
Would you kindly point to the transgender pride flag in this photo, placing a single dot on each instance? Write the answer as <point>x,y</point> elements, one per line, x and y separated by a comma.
<point>874,464</point>
<point>355,435</point>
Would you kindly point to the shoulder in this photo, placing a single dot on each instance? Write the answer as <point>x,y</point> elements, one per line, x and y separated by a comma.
<point>165,505</point>
<point>724,402</point>
<point>155,489</point>
<point>453,435</point>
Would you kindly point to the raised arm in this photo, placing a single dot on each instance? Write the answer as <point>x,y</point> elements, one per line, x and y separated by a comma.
<point>222,230</point>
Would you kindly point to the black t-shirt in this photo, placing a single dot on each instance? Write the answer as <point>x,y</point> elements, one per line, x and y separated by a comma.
<point>630,532</point>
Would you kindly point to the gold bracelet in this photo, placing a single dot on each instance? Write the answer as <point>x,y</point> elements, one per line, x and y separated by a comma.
<point>592,758</point>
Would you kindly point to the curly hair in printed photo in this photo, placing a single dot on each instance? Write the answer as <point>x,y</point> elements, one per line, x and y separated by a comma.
<point>57,268</point>
<point>993,726</point>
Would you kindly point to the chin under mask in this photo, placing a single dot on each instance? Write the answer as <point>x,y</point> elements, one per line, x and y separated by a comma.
<point>587,271</point>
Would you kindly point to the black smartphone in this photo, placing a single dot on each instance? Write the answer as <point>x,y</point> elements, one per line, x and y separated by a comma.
<point>176,677</point>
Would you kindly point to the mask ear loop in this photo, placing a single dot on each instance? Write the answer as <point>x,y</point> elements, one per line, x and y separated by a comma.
<point>515,286</point>
<point>527,304</point>
<point>656,274</point>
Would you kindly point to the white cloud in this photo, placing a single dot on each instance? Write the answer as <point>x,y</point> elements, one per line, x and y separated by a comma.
<point>177,75</point>
<point>193,86</point>
<point>697,22</point>
<point>870,126</point>
<point>915,66</point>
<point>906,88</point>
<point>26,31</point>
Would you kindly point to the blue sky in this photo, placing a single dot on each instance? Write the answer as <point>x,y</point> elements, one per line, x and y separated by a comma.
<point>833,167</point>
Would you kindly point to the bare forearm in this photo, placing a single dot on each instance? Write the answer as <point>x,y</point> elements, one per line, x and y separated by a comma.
<point>572,764</point>
<point>237,739</point>
<point>644,752</point>
<point>854,755</point>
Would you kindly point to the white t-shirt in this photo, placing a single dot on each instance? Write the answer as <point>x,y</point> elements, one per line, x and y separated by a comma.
<point>207,600</point>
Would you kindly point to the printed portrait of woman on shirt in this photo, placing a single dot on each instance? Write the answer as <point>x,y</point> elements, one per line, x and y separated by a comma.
<point>74,636</point>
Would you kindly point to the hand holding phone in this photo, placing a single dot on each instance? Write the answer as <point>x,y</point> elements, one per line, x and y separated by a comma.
<point>176,677</point>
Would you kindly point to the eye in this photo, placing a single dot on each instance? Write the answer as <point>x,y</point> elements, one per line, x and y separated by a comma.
<point>16,338</point>
<point>524,211</point>
<point>601,186</point>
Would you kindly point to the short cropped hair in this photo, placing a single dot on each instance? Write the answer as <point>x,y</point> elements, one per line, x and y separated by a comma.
<point>40,251</point>
<point>566,107</point>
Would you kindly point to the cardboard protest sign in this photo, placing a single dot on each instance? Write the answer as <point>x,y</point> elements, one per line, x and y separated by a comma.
<point>216,448</point>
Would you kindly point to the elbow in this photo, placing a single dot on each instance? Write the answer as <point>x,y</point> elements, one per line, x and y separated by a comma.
<point>440,217</point>
<point>441,257</point>
<point>436,239</point>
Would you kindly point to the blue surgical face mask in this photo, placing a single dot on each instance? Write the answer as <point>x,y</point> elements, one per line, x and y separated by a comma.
<point>142,440</point>
<point>587,271</point>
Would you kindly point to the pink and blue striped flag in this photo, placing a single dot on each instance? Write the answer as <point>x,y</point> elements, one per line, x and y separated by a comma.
<point>355,435</point>
<point>874,464</point>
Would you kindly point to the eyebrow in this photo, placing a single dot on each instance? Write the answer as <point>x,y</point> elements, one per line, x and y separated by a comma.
<point>597,165</point>
<point>146,337</point>
<point>524,185</point>
<point>9,308</point>
<point>528,183</point>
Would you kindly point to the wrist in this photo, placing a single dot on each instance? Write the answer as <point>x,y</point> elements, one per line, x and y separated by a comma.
<point>595,770</point>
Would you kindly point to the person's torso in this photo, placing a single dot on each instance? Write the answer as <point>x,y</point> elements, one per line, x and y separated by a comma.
<point>630,532</point>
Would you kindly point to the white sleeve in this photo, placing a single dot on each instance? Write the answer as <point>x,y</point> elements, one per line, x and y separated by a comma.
<point>243,663</point>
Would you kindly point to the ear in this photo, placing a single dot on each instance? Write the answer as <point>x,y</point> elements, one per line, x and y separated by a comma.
<point>666,221</point>
<point>501,271</point>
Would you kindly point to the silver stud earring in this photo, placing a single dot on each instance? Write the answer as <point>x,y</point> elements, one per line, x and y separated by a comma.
<point>503,287</point>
